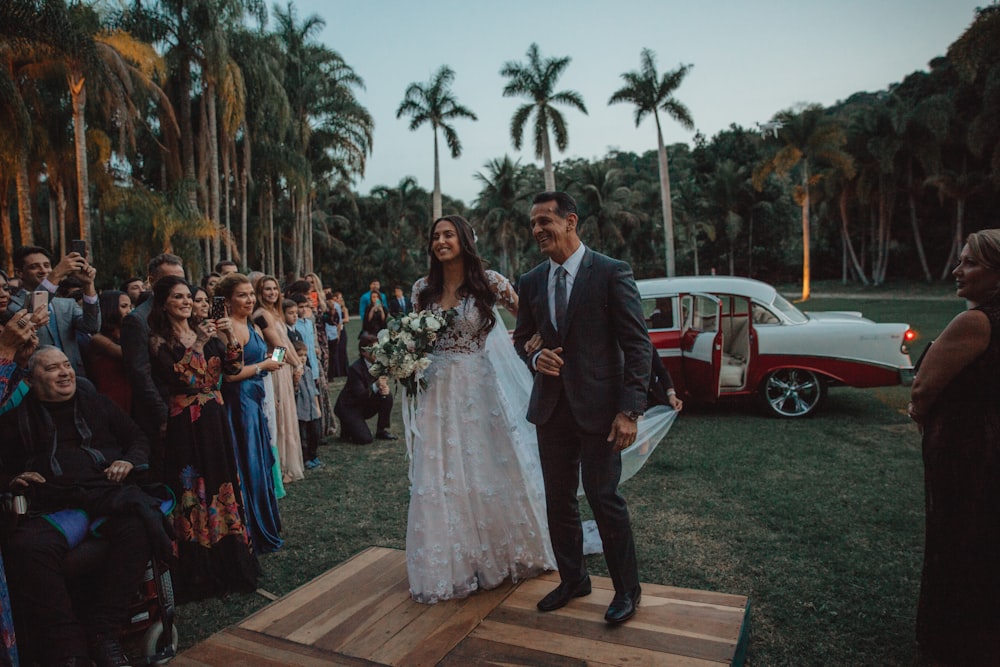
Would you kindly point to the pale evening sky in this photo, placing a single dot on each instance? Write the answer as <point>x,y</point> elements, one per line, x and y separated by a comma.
<point>751,59</point>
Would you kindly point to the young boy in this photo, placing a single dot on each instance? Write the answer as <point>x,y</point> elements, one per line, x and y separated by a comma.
<point>309,415</point>
<point>307,330</point>
<point>291,311</point>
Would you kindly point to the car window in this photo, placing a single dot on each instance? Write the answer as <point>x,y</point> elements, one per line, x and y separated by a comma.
<point>659,313</point>
<point>793,314</point>
<point>761,315</point>
<point>700,313</point>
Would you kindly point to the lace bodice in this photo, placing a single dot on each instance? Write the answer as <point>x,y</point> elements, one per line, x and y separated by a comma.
<point>467,335</point>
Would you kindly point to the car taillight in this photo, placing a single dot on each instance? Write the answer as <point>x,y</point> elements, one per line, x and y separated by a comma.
<point>908,338</point>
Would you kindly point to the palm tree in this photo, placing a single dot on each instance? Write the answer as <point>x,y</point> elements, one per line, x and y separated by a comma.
<point>806,138</point>
<point>605,207</point>
<point>434,103</point>
<point>536,80</point>
<point>503,199</point>
<point>727,197</point>
<point>650,93</point>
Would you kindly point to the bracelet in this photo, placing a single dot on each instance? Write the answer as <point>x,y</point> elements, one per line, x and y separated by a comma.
<point>671,392</point>
<point>256,369</point>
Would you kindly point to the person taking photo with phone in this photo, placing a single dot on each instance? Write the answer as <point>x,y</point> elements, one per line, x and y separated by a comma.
<point>39,282</point>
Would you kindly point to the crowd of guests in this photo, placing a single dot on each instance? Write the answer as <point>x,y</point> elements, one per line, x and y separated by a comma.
<point>213,395</point>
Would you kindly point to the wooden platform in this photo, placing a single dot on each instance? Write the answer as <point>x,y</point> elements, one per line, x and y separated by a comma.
<point>360,613</point>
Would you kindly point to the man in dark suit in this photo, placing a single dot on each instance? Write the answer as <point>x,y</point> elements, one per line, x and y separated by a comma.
<point>590,382</point>
<point>363,397</point>
<point>399,304</point>
<point>149,404</point>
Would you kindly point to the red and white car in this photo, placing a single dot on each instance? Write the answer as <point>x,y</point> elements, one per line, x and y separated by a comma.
<point>722,337</point>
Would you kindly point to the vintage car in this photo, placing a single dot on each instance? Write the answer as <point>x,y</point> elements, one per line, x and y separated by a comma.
<point>722,337</point>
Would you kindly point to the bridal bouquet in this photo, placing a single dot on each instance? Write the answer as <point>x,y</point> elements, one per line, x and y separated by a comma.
<point>402,347</point>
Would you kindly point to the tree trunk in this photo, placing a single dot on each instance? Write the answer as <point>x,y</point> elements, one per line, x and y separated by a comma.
<point>915,225</point>
<point>244,201</point>
<point>436,197</point>
<point>550,174</point>
<point>78,94</point>
<point>805,232</point>
<point>750,245</point>
<point>846,236</point>
<point>212,136</point>
<point>187,131</point>
<point>227,200</point>
<point>5,226</point>
<point>25,219</point>
<point>666,203</point>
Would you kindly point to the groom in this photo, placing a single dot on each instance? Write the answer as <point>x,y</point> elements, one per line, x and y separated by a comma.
<point>590,380</point>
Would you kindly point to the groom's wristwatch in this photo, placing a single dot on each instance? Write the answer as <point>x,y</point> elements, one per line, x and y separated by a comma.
<point>633,415</point>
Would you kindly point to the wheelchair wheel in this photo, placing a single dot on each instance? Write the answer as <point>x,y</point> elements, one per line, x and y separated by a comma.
<point>156,649</point>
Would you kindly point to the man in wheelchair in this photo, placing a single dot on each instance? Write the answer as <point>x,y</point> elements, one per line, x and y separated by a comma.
<point>69,450</point>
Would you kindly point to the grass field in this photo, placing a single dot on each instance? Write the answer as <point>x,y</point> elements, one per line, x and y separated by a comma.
<point>819,521</point>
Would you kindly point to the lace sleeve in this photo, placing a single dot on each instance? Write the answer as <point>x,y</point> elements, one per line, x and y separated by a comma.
<point>506,296</point>
<point>418,287</point>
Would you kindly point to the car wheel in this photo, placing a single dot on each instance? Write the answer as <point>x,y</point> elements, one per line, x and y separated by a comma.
<point>792,392</point>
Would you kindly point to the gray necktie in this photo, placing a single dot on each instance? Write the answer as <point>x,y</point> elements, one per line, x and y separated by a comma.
<point>560,300</point>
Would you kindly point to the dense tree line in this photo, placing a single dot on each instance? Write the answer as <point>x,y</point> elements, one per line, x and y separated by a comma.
<point>215,130</point>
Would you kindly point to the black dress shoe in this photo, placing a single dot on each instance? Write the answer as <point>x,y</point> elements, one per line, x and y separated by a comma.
<point>563,593</point>
<point>385,435</point>
<point>623,606</point>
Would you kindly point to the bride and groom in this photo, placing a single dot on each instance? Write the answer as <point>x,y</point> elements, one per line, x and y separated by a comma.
<point>491,496</point>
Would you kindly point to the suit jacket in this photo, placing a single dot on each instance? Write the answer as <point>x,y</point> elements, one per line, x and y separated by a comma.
<point>659,381</point>
<point>357,392</point>
<point>605,344</point>
<point>149,402</point>
<point>396,310</point>
<point>66,318</point>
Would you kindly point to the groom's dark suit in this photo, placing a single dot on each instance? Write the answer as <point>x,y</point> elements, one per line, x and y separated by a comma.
<point>606,355</point>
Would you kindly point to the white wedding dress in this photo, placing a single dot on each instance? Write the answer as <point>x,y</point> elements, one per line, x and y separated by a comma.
<point>477,500</point>
<point>477,503</point>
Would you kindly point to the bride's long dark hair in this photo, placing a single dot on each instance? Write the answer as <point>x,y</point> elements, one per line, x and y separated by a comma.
<point>474,283</point>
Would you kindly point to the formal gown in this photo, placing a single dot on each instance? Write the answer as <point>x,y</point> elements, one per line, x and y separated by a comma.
<point>289,443</point>
<point>477,504</point>
<point>213,548</point>
<point>958,619</point>
<point>271,412</point>
<point>254,453</point>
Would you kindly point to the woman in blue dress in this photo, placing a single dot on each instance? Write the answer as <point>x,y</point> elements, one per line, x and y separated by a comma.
<point>244,396</point>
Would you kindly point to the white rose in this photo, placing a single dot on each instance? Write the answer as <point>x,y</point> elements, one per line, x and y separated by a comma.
<point>432,324</point>
<point>383,337</point>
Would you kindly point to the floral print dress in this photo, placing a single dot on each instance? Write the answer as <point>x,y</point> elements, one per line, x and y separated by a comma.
<point>215,556</point>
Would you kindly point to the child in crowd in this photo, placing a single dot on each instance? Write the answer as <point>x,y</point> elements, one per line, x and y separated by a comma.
<point>291,311</point>
<point>307,408</point>
<point>307,330</point>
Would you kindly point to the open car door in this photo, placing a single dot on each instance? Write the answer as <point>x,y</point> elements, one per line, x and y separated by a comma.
<point>701,344</point>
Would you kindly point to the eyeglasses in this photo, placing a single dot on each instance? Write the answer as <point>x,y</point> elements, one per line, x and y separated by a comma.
<point>4,287</point>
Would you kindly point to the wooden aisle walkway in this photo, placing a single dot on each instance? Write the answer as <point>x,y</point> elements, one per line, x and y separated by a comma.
<point>360,613</point>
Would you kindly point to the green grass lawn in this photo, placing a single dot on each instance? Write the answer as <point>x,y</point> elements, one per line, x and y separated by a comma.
<point>819,521</point>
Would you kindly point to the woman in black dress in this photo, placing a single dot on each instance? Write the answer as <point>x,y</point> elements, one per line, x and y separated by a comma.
<point>956,402</point>
<point>214,554</point>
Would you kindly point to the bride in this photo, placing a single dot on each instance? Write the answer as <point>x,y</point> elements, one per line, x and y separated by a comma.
<point>477,500</point>
<point>477,504</point>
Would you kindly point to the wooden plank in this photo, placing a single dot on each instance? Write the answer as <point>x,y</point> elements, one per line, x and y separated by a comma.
<point>486,653</point>
<point>691,619</point>
<point>340,613</point>
<point>584,647</point>
<point>439,628</point>
<point>359,614</point>
<point>319,586</point>
<point>657,639</point>
<point>241,648</point>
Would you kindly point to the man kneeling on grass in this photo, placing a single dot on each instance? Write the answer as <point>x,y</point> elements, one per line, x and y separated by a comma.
<point>363,397</point>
